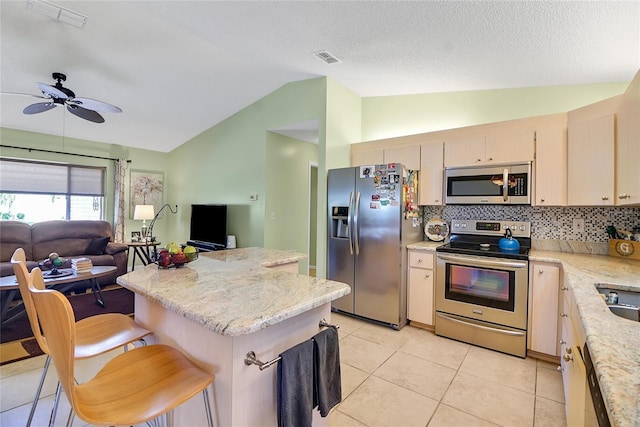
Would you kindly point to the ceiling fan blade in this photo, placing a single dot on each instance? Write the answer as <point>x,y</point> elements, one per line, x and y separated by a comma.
<point>95,105</point>
<point>52,91</point>
<point>24,94</point>
<point>90,115</point>
<point>40,107</point>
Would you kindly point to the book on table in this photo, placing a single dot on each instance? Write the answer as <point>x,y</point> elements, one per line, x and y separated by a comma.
<point>81,265</point>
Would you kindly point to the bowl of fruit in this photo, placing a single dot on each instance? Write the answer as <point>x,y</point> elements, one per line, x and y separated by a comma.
<point>173,255</point>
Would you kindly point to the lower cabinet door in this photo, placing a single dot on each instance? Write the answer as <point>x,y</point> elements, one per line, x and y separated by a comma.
<point>420,296</point>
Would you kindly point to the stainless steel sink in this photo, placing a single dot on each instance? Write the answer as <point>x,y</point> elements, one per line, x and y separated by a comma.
<point>623,303</point>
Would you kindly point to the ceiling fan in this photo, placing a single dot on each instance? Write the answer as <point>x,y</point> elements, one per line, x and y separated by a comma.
<point>85,108</point>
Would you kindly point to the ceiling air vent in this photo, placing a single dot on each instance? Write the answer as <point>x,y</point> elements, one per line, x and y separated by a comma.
<point>327,57</point>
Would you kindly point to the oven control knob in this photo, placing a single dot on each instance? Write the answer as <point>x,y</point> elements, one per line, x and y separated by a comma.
<point>464,225</point>
<point>504,227</point>
<point>456,225</point>
<point>514,227</point>
<point>523,227</point>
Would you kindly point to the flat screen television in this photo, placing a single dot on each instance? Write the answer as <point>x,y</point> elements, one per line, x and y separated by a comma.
<point>209,224</point>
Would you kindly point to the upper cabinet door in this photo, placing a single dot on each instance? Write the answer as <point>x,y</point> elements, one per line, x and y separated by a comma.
<point>464,151</point>
<point>628,146</point>
<point>408,156</point>
<point>497,148</point>
<point>591,161</point>
<point>551,167</point>
<point>430,187</point>
<point>363,158</point>
<point>510,147</point>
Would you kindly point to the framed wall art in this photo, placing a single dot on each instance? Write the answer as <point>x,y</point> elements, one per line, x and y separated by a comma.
<point>147,188</point>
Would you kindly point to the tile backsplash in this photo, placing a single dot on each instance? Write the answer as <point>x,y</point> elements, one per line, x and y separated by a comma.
<point>551,227</point>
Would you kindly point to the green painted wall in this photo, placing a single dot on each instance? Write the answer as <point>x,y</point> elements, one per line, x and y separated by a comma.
<point>287,189</point>
<point>140,159</point>
<point>344,121</point>
<point>390,116</point>
<point>228,163</point>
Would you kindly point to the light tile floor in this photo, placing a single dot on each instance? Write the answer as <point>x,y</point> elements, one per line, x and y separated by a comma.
<point>393,378</point>
<point>412,377</point>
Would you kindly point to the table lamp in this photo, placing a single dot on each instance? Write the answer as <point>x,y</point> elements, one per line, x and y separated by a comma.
<point>143,212</point>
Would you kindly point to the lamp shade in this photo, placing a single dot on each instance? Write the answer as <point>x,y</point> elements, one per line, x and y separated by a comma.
<point>143,212</point>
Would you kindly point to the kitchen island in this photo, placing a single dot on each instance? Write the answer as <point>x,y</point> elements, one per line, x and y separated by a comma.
<point>223,305</point>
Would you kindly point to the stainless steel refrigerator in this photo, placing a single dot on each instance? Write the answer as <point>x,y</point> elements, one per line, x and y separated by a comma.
<point>372,216</point>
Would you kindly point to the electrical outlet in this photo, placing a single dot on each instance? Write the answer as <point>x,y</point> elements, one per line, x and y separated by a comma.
<point>253,197</point>
<point>578,225</point>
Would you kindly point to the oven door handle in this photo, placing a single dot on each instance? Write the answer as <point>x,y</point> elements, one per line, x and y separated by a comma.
<point>483,261</point>
<point>475,325</point>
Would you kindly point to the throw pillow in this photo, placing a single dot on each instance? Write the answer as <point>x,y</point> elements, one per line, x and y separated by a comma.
<point>97,246</point>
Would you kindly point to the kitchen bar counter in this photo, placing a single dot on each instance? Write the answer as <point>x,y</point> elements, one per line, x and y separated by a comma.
<point>223,305</point>
<point>614,342</point>
<point>231,293</point>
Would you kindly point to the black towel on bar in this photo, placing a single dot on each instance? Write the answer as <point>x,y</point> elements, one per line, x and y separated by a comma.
<point>328,387</point>
<point>295,386</point>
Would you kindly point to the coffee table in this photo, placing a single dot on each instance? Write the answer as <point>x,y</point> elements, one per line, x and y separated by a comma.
<point>9,289</point>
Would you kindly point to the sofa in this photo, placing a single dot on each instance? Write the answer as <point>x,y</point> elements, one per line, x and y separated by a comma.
<point>69,239</point>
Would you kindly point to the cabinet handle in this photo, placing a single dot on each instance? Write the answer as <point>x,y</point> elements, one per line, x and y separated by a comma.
<point>478,160</point>
<point>563,314</point>
<point>426,276</point>
<point>420,260</point>
<point>623,196</point>
<point>562,342</point>
<point>540,271</point>
<point>567,357</point>
<point>605,198</point>
<point>541,200</point>
<point>560,368</point>
<point>564,288</point>
<point>490,158</point>
<point>437,201</point>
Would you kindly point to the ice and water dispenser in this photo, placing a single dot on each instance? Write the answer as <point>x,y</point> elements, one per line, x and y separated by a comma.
<point>340,222</point>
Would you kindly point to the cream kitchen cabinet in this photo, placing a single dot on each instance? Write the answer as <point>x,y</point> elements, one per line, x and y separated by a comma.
<point>551,167</point>
<point>497,148</point>
<point>544,289</point>
<point>578,408</point>
<point>628,146</point>
<point>369,157</point>
<point>430,187</point>
<point>420,291</point>
<point>591,161</point>
<point>408,156</point>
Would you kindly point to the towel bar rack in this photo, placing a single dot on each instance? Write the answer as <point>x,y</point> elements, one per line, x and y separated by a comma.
<point>251,359</point>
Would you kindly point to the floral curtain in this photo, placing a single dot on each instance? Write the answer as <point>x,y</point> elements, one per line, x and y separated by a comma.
<point>119,200</point>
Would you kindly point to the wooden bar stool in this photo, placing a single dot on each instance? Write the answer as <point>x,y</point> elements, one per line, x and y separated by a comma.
<point>95,335</point>
<point>134,387</point>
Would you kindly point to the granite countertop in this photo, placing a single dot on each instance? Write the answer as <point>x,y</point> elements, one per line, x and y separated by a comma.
<point>614,342</point>
<point>231,293</point>
<point>425,245</point>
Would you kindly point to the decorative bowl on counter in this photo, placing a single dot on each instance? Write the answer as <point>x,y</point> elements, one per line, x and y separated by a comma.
<point>170,258</point>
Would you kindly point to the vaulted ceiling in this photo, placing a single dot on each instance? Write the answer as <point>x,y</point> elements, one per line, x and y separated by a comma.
<point>177,68</point>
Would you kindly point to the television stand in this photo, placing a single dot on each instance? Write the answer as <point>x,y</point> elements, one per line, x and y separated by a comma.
<point>206,246</point>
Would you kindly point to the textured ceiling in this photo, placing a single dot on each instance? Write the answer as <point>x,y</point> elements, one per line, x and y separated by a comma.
<point>177,68</point>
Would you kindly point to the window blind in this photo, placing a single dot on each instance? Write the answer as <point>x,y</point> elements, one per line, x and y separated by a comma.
<point>17,176</point>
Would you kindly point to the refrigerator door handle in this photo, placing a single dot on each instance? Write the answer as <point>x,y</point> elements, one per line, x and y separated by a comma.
<point>356,229</point>
<point>350,210</point>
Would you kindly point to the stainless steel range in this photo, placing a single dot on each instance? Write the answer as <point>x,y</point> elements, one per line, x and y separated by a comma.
<point>481,290</point>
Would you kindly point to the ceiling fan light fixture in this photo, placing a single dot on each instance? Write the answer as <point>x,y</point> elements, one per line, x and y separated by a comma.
<point>58,13</point>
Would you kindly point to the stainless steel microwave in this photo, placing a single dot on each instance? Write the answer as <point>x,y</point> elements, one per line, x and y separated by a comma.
<point>494,184</point>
